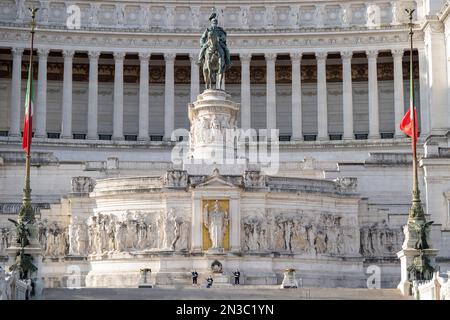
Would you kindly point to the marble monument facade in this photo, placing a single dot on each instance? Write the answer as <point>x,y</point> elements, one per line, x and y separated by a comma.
<point>331,76</point>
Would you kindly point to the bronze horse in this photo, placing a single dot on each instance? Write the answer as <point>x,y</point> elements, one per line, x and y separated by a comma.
<point>213,66</point>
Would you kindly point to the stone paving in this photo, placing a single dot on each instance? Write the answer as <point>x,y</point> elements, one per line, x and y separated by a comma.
<point>222,293</point>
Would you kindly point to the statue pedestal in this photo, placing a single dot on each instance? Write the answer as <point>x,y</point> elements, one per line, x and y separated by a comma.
<point>221,280</point>
<point>214,134</point>
<point>406,256</point>
<point>289,280</point>
<point>145,281</point>
<point>34,250</point>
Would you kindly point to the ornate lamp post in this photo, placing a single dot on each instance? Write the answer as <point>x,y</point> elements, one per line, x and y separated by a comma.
<point>27,245</point>
<point>416,257</point>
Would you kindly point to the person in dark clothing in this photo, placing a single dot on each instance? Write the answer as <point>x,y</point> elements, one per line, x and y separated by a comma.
<point>194,277</point>
<point>209,282</point>
<point>237,275</point>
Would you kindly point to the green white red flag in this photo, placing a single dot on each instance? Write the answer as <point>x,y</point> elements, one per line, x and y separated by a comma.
<point>28,118</point>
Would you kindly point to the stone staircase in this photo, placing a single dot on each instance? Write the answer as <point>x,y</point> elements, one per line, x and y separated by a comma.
<point>245,292</point>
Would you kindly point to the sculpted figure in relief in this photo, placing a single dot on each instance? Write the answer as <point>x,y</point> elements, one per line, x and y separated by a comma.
<point>4,240</point>
<point>81,236</point>
<point>216,222</point>
<point>168,228</point>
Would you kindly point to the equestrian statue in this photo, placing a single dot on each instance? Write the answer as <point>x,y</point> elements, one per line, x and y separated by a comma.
<point>214,57</point>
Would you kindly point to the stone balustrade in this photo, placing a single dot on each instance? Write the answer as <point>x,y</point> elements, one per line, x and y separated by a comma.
<point>437,288</point>
<point>163,16</point>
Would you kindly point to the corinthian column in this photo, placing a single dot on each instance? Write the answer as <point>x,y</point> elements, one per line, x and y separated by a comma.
<point>169,93</point>
<point>271,91</point>
<point>93,95</point>
<point>322,108</point>
<point>41,110</point>
<point>16,84</point>
<point>374,118</point>
<point>397,55</point>
<point>245,90</point>
<point>118,96</point>
<point>195,80</point>
<point>143,96</point>
<point>297,134</point>
<point>66,125</point>
<point>347,94</point>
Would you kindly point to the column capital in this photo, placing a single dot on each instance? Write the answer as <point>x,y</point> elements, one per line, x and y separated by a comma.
<point>321,55</point>
<point>144,56</point>
<point>270,56</point>
<point>170,56</point>
<point>17,51</point>
<point>397,53</point>
<point>296,56</point>
<point>93,54</point>
<point>346,54</point>
<point>43,52</point>
<point>372,54</point>
<point>118,55</point>
<point>245,57</point>
<point>68,53</point>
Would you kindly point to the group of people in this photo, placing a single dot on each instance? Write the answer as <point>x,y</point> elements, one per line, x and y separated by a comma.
<point>210,280</point>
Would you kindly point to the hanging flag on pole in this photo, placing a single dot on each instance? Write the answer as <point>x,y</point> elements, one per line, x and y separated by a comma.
<point>28,118</point>
<point>406,125</point>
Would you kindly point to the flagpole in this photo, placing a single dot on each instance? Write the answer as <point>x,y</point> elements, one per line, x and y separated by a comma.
<point>26,211</point>
<point>416,212</point>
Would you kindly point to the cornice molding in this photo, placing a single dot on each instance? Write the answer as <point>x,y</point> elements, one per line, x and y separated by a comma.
<point>188,43</point>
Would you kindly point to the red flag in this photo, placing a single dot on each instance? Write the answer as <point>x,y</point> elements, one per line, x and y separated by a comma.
<point>27,120</point>
<point>406,125</point>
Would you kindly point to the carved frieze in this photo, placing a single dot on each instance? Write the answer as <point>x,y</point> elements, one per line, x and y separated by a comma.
<point>182,73</point>
<point>254,179</point>
<point>175,179</point>
<point>82,184</point>
<point>298,232</point>
<point>380,240</point>
<point>5,69</point>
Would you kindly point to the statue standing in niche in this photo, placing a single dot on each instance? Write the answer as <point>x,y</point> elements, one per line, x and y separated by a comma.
<point>216,222</point>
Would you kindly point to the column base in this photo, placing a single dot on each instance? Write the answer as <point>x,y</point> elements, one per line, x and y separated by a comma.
<point>348,137</point>
<point>297,138</point>
<point>323,138</point>
<point>374,137</point>
<point>14,135</point>
<point>118,138</point>
<point>40,136</point>
<point>65,137</point>
<point>92,137</point>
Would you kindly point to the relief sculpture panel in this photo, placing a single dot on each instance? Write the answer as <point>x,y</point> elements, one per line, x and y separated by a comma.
<point>298,232</point>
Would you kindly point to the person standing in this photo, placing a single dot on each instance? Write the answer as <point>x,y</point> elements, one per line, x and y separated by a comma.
<point>209,281</point>
<point>237,275</point>
<point>194,277</point>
